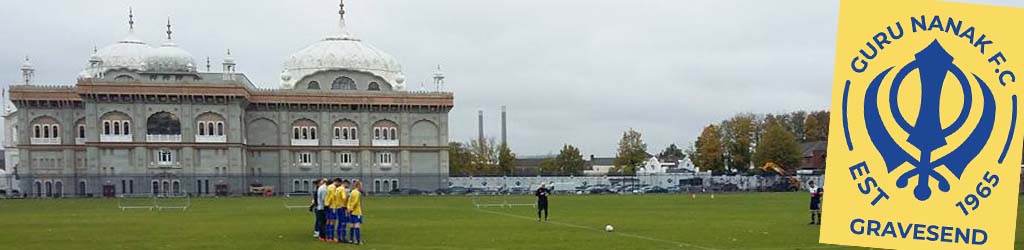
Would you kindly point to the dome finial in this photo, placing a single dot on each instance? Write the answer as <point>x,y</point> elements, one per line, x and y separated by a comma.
<point>169,28</point>
<point>131,20</point>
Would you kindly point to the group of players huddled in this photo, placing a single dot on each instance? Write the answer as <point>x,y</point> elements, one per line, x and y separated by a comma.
<point>339,211</point>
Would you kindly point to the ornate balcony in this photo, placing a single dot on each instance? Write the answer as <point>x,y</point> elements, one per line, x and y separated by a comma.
<point>385,143</point>
<point>116,138</point>
<point>163,138</point>
<point>45,141</point>
<point>343,142</point>
<point>305,142</point>
<point>165,165</point>
<point>211,138</point>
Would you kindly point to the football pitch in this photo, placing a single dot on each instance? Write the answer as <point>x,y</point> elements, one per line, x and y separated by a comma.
<point>729,221</point>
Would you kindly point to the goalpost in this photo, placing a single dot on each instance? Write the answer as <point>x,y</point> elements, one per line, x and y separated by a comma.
<point>172,201</point>
<point>300,200</point>
<point>502,200</point>
<point>135,201</point>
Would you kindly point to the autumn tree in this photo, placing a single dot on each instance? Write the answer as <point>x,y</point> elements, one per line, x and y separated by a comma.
<point>708,150</point>
<point>632,153</point>
<point>738,137</point>
<point>780,146</point>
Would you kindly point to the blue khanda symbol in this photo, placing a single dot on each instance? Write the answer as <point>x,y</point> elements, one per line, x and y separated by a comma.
<point>927,134</point>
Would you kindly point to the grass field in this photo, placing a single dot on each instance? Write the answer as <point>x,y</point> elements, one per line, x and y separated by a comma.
<point>733,221</point>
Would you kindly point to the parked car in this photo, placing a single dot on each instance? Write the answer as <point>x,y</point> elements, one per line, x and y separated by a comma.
<point>457,190</point>
<point>597,190</point>
<point>654,190</point>
<point>674,189</point>
<point>406,191</point>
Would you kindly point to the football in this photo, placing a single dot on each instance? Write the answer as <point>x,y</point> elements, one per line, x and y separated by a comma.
<point>608,228</point>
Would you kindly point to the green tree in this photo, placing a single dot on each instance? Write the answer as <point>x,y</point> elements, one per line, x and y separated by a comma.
<point>549,167</point>
<point>460,159</point>
<point>484,156</point>
<point>570,161</point>
<point>708,150</point>
<point>631,154</point>
<point>672,151</point>
<point>795,124</point>
<point>779,146</point>
<point>506,159</point>
<point>738,137</point>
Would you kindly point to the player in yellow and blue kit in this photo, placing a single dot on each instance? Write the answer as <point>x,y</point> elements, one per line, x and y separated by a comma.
<point>355,210</point>
<point>332,215</point>
<point>341,201</point>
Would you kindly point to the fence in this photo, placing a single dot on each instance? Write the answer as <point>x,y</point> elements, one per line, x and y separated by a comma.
<point>199,185</point>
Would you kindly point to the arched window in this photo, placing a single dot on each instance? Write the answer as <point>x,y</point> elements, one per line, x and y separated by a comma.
<point>394,134</point>
<point>296,136</point>
<point>46,131</point>
<point>58,189</point>
<point>312,133</point>
<point>106,127</point>
<point>117,127</point>
<point>296,186</point>
<point>39,189</point>
<point>127,127</point>
<point>305,133</point>
<point>162,123</point>
<point>374,86</point>
<point>176,187</point>
<point>337,133</point>
<point>313,85</point>
<point>36,131</point>
<point>394,184</point>
<point>387,184</point>
<point>55,128</point>
<point>81,188</point>
<point>49,189</point>
<point>81,131</point>
<point>156,187</point>
<point>202,128</point>
<point>343,83</point>
<point>220,128</point>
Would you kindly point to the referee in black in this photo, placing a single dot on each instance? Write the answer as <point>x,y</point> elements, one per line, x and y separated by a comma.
<point>542,201</point>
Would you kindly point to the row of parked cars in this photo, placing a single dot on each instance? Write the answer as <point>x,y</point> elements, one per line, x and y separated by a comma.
<point>592,189</point>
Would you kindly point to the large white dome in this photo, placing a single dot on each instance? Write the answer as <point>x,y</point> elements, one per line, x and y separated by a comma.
<point>129,53</point>
<point>170,58</point>
<point>342,52</point>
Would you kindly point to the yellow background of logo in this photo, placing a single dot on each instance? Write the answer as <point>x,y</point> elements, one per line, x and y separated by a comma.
<point>859,22</point>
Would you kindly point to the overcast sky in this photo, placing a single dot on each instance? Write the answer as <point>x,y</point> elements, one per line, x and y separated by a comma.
<point>578,72</point>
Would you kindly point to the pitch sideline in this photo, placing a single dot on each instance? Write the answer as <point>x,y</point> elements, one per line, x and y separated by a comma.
<point>677,243</point>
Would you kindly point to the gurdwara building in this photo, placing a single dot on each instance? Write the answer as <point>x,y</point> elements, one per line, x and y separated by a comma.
<point>147,119</point>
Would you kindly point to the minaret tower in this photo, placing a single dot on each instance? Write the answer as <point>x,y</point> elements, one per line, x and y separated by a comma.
<point>27,72</point>
<point>438,79</point>
<point>229,66</point>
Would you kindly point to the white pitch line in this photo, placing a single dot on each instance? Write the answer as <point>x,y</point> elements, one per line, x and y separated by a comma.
<point>679,244</point>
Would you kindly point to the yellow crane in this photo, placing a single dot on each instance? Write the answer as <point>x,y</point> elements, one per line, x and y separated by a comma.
<point>794,183</point>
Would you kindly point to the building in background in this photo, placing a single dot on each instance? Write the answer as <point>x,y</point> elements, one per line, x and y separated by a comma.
<point>145,119</point>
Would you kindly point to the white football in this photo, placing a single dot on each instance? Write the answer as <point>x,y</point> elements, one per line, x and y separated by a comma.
<point>609,228</point>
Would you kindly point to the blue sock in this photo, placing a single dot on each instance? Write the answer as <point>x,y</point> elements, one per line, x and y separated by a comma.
<point>352,234</point>
<point>341,230</point>
<point>329,231</point>
<point>359,236</point>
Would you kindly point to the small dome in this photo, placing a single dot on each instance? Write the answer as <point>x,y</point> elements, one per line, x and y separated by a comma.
<point>129,53</point>
<point>343,52</point>
<point>170,58</point>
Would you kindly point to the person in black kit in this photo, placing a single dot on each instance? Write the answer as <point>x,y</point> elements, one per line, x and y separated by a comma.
<point>816,194</point>
<point>542,201</point>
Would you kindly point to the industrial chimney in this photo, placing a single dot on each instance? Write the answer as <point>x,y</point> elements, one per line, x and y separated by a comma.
<point>504,132</point>
<point>480,119</point>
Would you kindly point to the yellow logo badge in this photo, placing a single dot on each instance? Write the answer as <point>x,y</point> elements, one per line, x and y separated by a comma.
<point>927,153</point>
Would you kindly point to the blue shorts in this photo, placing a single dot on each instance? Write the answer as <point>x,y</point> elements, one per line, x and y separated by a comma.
<point>342,217</point>
<point>355,219</point>
<point>331,214</point>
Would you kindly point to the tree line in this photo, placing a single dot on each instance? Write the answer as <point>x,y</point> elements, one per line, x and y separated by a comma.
<point>744,142</point>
